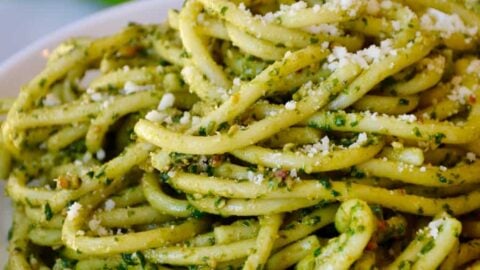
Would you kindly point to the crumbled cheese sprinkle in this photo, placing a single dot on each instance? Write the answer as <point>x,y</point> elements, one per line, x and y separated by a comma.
<point>255,178</point>
<point>167,101</point>
<point>51,100</point>
<point>362,139</point>
<point>471,157</point>
<point>410,118</point>
<point>291,105</point>
<point>155,116</point>
<point>73,210</point>
<point>131,87</point>
<point>100,154</point>
<point>109,205</point>
<point>446,24</point>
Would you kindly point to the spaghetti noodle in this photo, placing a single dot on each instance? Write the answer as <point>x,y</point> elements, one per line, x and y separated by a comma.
<point>253,134</point>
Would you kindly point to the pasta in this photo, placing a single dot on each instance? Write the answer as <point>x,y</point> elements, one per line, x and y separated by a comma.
<point>253,134</point>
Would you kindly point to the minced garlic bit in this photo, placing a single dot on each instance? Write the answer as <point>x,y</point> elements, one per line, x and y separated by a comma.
<point>167,101</point>
<point>73,210</point>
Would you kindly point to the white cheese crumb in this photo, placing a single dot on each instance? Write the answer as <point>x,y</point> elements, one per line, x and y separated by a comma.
<point>386,4</point>
<point>361,140</point>
<point>167,101</point>
<point>73,210</point>
<point>446,24</point>
<point>131,87</point>
<point>396,25</point>
<point>410,118</point>
<point>323,146</point>
<point>87,157</point>
<point>155,116</point>
<point>185,119</point>
<point>171,173</point>
<point>100,154</point>
<point>442,168</point>
<point>291,105</point>
<point>471,157</point>
<point>51,100</point>
<point>236,81</point>
<point>423,169</point>
<point>94,225</point>
<point>187,71</point>
<point>474,66</point>
<point>373,7</point>
<point>460,94</point>
<point>434,228</point>
<point>109,205</point>
<point>96,96</point>
<point>325,28</point>
<point>196,120</point>
<point>255,178</point>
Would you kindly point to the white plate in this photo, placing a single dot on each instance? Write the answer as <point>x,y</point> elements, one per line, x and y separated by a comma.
<point>21,67</point>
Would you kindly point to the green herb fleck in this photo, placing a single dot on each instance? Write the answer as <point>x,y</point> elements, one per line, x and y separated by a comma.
<point>223,10</point>
<point>48,212</point>
<point>403,101</point>
<point>428,246</point>
<point>340,120</point>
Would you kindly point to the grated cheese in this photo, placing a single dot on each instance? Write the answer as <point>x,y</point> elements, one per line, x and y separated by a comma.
<point>109,205</point>
<point>73,210</point>
<point>167,101</point>
<point>361,140</point>
<point>185,118</point>
<point>100,154</point>
<point>51,100</point>
<point>255,178</point>
<point>471,157</point>
<point>291,105</point>
<point>131,87</point>
<point>155,116</point>
<point>446,24</point>
<point>410,118</point>
<point>474,66</point>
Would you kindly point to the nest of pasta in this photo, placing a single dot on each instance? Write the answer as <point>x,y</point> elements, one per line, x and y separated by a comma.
<point>253,134</point>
